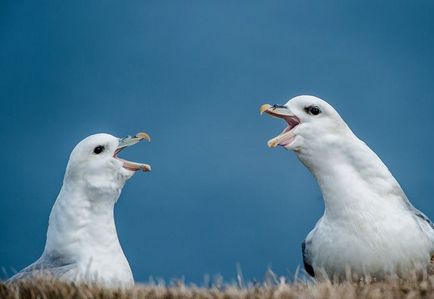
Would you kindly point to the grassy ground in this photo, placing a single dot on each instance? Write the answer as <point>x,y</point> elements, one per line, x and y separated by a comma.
<point>393,288</point>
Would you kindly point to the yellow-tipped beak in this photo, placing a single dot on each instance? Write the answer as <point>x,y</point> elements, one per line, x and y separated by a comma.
<point>282,112</point>
<point>264,108</point>
<point>128,141</point>
<point>143,136</point>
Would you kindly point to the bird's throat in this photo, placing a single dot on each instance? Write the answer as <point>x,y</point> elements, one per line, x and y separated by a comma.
<point>77,221</point>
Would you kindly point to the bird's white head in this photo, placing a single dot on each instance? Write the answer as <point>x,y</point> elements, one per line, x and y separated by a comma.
<point>94,162</point>
<point>313,124</point>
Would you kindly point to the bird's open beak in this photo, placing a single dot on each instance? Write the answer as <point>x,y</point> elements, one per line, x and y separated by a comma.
<point>128,141</point>
<point>279,111</point>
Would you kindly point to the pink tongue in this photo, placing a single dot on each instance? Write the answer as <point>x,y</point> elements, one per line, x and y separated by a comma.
<point>287,140</point>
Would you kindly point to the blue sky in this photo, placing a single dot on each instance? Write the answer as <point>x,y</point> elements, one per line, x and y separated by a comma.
<point>193,74</point>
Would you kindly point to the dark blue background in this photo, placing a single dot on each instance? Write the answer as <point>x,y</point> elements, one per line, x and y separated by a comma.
<point>193,74</point>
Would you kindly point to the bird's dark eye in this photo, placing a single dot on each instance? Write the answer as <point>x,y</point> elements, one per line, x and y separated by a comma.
<point>314,110</point>
<point>99,149</point>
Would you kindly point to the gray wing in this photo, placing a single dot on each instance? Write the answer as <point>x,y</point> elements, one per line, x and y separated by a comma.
<point>422,216</point>
<point>418,214</point>
<point>52,264</point>
<point>425,223</point>
<point>306,249</point>
<point>307,258</point>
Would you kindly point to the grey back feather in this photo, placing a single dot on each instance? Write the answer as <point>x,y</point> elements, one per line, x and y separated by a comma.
<point>51,264</point>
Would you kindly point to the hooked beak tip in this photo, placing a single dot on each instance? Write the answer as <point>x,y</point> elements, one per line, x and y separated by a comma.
<point>143,136</point>
<point>264,108</point>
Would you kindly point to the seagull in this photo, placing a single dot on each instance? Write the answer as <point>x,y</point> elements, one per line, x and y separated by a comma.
<point>369,227</point>
<point>82,243</point>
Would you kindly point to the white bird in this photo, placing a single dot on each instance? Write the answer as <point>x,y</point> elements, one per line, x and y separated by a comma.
<point>82,243</point>
<point>369,228</point>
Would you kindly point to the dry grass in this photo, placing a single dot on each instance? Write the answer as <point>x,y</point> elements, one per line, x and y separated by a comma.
<point>392,288</point>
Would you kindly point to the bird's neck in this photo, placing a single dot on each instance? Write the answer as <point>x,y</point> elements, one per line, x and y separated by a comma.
<point>352,178</point>
<point>81,220</point>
